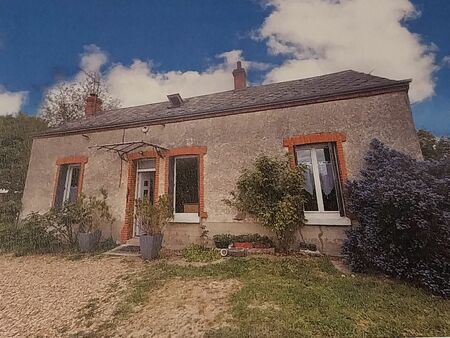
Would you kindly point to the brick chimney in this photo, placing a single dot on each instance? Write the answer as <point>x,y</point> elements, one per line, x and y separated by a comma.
<point>240,77</point>
<point>93,105</point>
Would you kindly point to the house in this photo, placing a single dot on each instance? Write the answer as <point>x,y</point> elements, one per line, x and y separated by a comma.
<point>194,149</point>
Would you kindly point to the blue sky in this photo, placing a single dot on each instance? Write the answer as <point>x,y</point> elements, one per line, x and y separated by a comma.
<point>145,49</point>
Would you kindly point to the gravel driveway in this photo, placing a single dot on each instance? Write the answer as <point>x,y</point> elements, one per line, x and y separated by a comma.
<point>40,296</point>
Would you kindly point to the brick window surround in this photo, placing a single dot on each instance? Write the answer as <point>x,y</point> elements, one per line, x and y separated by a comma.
<point>127,229</point>
<point>337,138</point>
<point>184,151</point>
<point>81,160</point>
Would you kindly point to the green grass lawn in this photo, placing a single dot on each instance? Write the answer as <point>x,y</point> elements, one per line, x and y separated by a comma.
<point>308,297</point>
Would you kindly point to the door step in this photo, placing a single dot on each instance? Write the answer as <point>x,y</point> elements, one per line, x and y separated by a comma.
<point>133,241</point>
<point>125,250</point>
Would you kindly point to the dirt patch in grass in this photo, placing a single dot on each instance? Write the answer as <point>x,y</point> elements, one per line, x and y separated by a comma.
<point>182,309</point>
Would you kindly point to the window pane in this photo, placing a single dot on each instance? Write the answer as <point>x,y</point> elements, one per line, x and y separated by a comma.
<point>146,164</point>
<point>145,185</point>
<point>67,186</point>
<point>304,157</point>
<point>328,180</point>
<point>186,185</point>
<point>73,187</point>
<point>61,186</point>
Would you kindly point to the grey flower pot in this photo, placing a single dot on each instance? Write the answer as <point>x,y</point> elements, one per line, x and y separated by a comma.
<point>87,242</point>
<point>150,246</point>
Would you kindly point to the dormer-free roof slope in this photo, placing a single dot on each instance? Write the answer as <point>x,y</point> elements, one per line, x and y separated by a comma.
<point>341,85</point>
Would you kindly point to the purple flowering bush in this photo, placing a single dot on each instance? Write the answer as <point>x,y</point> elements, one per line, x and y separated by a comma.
<point>403,209</point>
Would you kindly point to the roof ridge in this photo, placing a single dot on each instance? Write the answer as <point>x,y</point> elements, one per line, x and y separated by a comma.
<point>250,87</point>
<point>379,77</point>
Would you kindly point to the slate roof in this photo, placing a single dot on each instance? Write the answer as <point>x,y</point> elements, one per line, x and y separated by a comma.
<point>303,91</point>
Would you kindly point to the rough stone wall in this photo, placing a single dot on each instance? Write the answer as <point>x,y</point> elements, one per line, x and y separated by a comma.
<point>232,142</point>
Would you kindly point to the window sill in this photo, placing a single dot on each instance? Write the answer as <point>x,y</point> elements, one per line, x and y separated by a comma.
<point>185,218</point>
<point>326,218</point>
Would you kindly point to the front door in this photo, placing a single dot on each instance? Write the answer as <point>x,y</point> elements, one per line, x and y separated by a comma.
<point>145,185</point>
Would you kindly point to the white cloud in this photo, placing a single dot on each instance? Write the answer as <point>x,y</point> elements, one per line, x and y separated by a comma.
<point>445,61</point>
<point>11,102</point>
<point>323,36</point>
<point>93,58</point>
<point>314,36</point>
<point>141,83</point>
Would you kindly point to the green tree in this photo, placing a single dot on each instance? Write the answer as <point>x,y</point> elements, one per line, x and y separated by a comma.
<point>66,101</point>
<point>15,146</point>
<point>433,148</point>
<point>272,192</point>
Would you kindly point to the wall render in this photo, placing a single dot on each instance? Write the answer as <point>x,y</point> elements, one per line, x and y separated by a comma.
<point>232,143</point>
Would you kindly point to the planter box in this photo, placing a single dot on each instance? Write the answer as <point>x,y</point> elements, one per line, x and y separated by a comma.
<point>257,251</point>
<point>243,245</point>
<point>87,242</point>
<point>261,246</point>
<point>150,246</point>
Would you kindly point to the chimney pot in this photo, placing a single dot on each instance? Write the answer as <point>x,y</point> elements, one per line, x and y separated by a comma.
<point>240,77</point>
<point>93,105</point>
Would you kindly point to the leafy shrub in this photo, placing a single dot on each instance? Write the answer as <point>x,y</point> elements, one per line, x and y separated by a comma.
<point>65,222</point>
<point>57,229</point>
<point>224,240</point>
<point>8,233</point>
<point>271,191</point>
<point>307,246</point>
<point>96,212</point>
<point>85,215</point>
<point>153,217</point>
<point>9,209</point>
<point>199,253</point>
<point>29,237</point>
<point>403,209</point>
<point>433,148</point>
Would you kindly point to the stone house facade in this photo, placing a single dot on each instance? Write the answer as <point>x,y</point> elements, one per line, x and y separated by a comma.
<point>194,149</point>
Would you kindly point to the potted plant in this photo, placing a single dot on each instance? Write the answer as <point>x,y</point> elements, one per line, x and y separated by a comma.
<point>93,214</point>
<point>152,219</point>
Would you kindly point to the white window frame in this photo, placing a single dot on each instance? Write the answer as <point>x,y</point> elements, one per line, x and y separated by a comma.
<point>183,217</point>
<point>146,169</point>
<point>321,216</point>
<point>66,193</point>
